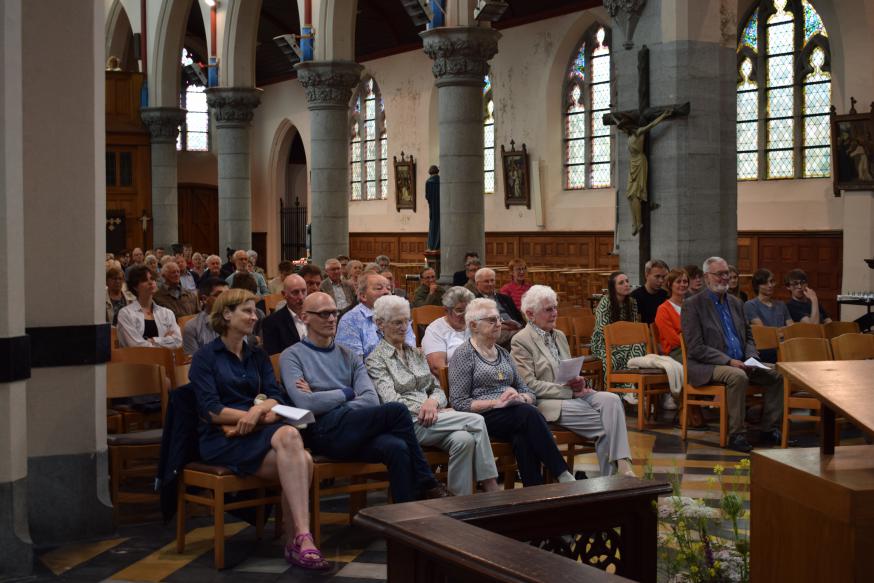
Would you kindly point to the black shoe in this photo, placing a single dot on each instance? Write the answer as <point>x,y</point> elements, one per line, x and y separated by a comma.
<point>580,475</point>
<point>774,437</point>
<point>739,443</point>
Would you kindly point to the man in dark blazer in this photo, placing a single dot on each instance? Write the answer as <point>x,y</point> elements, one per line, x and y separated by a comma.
<point>285,326</point>
<point>718,342</point>
<point>512,319</point>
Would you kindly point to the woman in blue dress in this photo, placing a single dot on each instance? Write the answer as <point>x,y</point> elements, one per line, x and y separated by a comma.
<point>236,390</point>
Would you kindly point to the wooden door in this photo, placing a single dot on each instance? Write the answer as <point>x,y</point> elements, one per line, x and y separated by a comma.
<point>198,217</point>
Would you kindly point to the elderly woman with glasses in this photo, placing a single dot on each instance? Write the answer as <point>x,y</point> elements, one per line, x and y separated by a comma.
<point>400,374</point>
<point>444,335</point>
<point>597,415</point>
<point>484,380</point>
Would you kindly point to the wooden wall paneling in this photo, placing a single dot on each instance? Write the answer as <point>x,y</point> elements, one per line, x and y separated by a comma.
<point>198,218</point>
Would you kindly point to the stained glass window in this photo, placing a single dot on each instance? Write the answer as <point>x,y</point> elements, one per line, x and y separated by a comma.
<point>587,141</point>
<point>368,144</point>
<point>783,93</point>
<point>488,138</point>
<point>194,133</point>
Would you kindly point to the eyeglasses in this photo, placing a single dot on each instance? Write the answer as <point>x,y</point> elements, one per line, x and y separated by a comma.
<point>490,319</point>
<point>459,312</point>
<point>797,283</point>
<point>399,323</point>
<point>324,314</point>
<point>721,274</point>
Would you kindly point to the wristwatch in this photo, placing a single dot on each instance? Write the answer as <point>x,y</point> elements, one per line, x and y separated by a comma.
<point>260,398</point>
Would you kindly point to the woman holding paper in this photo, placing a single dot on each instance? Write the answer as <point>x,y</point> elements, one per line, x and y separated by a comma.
<point>538,350</point>
<point>236,390</point>
<point>400,373</point>
<point>483,379</point>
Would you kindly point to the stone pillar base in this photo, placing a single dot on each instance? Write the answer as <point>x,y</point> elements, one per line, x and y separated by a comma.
<point>68,497</point>
<point>16,550</point>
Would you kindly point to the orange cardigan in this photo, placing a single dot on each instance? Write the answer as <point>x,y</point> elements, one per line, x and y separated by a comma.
<point>667,321</point>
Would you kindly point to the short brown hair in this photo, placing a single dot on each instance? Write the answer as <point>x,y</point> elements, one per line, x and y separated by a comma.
<point>515,262</point>
<point>673,276</point>
<point>245,281</point>
<point>230,299</point>
<point>113,272</point>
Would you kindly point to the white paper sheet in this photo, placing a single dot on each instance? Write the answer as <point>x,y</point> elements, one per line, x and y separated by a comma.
<point>293,414</point>
<point>569,369</point>
<point>752,362</point>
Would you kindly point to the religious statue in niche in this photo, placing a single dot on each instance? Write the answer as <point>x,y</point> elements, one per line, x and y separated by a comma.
<point>405,183</point>
<point>517,187</point>
<point>638,167</point>
<point>853,149</point>
<point>432,195</point>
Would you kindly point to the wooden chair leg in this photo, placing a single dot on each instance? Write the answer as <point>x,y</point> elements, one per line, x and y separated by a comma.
<point>684,414</point>
<point>180,516</point>
<point>784,438</point>
<point>640,409</point>
<point>218,513</point>
<point>723,420</point>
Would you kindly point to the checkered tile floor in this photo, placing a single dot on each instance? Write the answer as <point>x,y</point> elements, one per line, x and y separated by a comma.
<point>146,552</point>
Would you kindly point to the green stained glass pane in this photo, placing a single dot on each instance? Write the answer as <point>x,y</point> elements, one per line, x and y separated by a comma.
<point>780,71</point>
<point>576,125</point>
<point>489,160</point>
<point>383,148</point>
<point>576,177</point>
<point>747,105</point>
<point>817,131</point>
<point>781,164</point>
<point>600,175</point>
<point>780,133</point>
<point>576,152</point>
<point>598,127</point>
<point>600,69</point>
<point>780,38</point>
<point>369,129</point>
<point>370,150</point>
<point>370,108</point>
<point>383,169</point>
<point>780,102</point>
<point>817,162</point>
<point>489,136</point>
<point>747,165</point>
<point>601,149</point>
<point>370,170</point>
<point>356,172</point>
<point>751,32</point>
<point>601,96</point>
<point>356,191</point>
<point>489,182</point>
<point>371,190</point>
<point>747,136</point>
<point>356,151</point>
<point>817,98</point>
<point>812,22</point>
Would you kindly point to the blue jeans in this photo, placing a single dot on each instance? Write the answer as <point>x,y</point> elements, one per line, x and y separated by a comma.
<point>375,434</point>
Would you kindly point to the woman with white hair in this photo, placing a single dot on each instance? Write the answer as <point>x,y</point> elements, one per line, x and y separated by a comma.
<point>400,373</point>
<point>484,380</point>
<point>597,415</point>
<point>444,335</point>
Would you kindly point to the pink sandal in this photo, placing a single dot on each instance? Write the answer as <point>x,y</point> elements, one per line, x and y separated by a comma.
<point>310,559</point>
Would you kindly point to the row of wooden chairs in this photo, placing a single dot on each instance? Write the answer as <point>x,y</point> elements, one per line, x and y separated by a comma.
<point>768,337</point>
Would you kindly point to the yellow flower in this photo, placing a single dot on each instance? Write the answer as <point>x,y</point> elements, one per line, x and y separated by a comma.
<point>718,470</point>
<point>694,568</point>
<point>745,463</point>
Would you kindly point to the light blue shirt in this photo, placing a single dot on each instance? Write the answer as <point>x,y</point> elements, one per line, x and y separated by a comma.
<point>263,290</point>
<point>358,332</point>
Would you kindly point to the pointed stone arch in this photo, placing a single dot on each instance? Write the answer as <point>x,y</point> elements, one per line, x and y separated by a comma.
<point>239,42</point>
<point>335,29</point>
<point>277,169</point>
<point>164,78</point>
<point>119,36</point>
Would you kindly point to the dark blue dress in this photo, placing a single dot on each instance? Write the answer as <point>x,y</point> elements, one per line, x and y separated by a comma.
<point>222,380</point>
<point>432,195</point>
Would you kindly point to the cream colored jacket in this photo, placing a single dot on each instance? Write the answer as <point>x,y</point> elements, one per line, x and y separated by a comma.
<point>537,370</point>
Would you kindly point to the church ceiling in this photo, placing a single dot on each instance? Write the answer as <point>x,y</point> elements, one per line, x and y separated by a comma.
<point>383,28</point>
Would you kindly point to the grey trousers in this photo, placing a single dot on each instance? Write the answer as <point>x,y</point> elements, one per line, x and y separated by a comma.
<point>465,437</point>
<point>599,416</point>
<point>736,383</point>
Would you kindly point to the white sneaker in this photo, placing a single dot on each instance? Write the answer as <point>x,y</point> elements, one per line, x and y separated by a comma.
<point>668,403</point>
<point>630,398</point>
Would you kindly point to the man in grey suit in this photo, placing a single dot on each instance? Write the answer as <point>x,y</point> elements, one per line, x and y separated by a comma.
<point>718,342</point>
<point>342,292</point>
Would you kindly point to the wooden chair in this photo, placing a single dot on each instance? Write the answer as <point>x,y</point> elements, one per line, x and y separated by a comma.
<point>656,338</point>
<point>564,324</point>
<point>802,330</point>
<point>166,358</point>
<point>583,327</point>
<point>182,320</point>
<point>835,329</point>
<point>801,350</point>
<point>853,346</point>
<point>180,373</point>
<point>270,302</point>
<point>765,337</point>
<point>218,481</point>
<point>715,397</point>
<point>134,380</point>
<point>648,384</point>
<point>274,360</point>
<point>422,316</point>
<point>575,311</point>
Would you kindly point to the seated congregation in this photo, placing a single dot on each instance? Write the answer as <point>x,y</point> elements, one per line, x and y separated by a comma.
<point>479,379</point>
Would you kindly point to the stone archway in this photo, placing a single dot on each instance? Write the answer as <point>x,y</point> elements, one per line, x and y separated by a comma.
<point>119,37</point>
<point>288,190</point>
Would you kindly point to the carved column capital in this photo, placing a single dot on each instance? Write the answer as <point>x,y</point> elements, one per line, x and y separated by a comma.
<point>163,122</point>
<point>233,106</point>
<point>626,13</point>
<point>328,84</point>
<point>461,54</point>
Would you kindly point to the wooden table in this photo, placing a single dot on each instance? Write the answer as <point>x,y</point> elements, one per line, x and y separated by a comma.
<point>812,509</point>
<point>844,386</point>
<point>520,535</point>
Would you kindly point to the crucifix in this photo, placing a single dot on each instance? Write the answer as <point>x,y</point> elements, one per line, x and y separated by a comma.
<point>635,125</point>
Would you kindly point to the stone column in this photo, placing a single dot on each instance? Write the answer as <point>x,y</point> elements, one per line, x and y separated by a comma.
<point>692,160</point>
<point>233,109</point>
<point>461,61</point>
<point>328,86</point>
<point>16,556</point>
<point>163,124</point>
<point>63,152</point>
